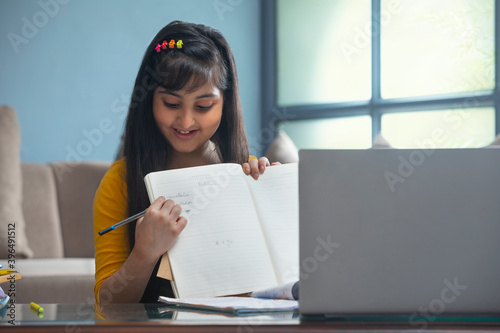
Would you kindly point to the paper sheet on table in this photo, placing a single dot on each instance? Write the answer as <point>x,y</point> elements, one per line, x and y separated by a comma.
<point>236,305</point>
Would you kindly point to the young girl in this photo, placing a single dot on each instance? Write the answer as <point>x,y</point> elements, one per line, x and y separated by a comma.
<point>185,111</point>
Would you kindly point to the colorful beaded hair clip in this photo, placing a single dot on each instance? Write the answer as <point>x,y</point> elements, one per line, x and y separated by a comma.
<point>172,44</point>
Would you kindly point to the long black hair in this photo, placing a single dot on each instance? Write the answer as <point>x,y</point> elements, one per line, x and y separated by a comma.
<point>204,57</point>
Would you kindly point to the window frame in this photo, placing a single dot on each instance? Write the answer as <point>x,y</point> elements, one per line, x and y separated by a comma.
<point>376,106</point>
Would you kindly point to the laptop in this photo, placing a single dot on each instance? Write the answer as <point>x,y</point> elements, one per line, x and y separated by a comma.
<point>414,233</point>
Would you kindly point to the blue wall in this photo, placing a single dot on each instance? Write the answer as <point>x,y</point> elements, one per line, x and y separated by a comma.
<point>74,61</point>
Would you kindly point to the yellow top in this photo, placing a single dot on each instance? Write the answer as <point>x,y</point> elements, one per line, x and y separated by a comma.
<point>110,207</point>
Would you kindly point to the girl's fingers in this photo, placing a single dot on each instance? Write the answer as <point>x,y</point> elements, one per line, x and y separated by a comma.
<point>254,168</point>
<point>176,211</point>
<point>263,163</point>
<point>181,223</point>
<point>167,206</point>
<point>246,168</point>
<point>158,203</point>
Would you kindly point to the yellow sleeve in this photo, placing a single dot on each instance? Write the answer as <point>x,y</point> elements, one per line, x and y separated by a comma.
<point>110,207</point>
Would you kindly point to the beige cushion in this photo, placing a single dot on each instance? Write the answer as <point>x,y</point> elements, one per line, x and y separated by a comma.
<point>282,149</point>
<point>41,212</point>
<point>496,142</point>
<point>11,185</point>
<point>76,185</point>
<point>56,267</point>
<point>380,142</point>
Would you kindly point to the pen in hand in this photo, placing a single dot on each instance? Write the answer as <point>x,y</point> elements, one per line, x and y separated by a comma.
<point>119,224</point>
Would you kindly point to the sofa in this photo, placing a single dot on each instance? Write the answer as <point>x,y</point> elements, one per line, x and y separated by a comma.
<point>49,207</point>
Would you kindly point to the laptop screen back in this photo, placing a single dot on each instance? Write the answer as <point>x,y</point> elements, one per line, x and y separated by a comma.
<point>399,232</point>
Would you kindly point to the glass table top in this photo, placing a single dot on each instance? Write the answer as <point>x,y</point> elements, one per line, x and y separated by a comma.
<point>84,313</point>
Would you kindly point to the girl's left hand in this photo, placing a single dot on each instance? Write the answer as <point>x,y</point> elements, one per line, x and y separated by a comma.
<point>255,167</point>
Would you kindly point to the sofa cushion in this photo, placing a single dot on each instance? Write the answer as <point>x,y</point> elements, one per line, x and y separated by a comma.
<point>496,142</point>
<point>43,226</point>
<point>57,280</point>
<point>282,149</point>
<point>380,142</point>
<point>11,186</point>
<point>76,185</point>
<point>56,267</point>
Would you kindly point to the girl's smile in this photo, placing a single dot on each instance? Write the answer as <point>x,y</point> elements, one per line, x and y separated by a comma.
<point>184,135</point>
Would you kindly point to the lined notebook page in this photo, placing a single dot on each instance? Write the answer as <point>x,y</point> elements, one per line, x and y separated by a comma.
<point>276,197</point>
<point>221,251</point>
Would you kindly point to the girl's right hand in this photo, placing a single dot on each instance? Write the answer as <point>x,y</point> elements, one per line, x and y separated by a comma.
<point>157,231</point>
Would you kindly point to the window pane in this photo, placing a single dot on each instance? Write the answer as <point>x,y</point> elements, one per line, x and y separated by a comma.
<point>435,47</point>
<point>464,128</point>
<point>323,51</point>
<point>338,133</point>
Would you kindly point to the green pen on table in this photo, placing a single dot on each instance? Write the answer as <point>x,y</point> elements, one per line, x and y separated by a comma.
<point>36,309</point>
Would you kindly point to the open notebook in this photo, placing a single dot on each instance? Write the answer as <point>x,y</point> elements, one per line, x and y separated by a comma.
<point>242,233</point>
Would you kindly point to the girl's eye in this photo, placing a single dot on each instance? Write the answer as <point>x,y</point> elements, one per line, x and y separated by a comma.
<point>171,106</point>
<point>204,108</point>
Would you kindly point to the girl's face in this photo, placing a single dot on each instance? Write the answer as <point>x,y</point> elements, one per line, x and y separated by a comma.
<point>188,119</point>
